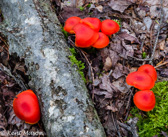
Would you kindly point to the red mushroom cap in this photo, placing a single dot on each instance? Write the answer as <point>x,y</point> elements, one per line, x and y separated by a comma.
<point>93,23</point>
<point>109,27</point>
<point>26,107</point>
<point>140,80</point>
<point>102,41</point>
<point>150,70</point>
<point>70,23</point>
<point>144,100</point>
<point>85,36</point>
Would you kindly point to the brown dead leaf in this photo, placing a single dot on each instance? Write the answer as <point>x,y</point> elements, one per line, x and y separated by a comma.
<point>106,94</point>
<point>121,85</point>
<point>119,5</point>
<point>118,71</point>
<point>19,66</point>
<point>112,108</point>
<point>114,57</point>
<point>164,73</point>
<point>96,82</point>
<point>69,12</point>
<point>128,37</point>
<point>107,64</point>
<point>162,45</point>
<point>105,85</point>
<point>109,126</point>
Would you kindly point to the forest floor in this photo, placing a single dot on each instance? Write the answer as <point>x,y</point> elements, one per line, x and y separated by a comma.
<point>142,39</point>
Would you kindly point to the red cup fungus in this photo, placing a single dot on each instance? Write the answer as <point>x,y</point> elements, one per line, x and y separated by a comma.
<point>26,107</point>
<point>70,23</point>
<point>93,23</point>
<point>85,36</point>
<point>150,70</point>
<point>87,31</point>
<point>140,80</point>
<point>102,41</point>
<point>144,100</point>
<point>109,27</point>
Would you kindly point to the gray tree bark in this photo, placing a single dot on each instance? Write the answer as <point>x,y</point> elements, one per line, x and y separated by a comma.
<point>33,32</point>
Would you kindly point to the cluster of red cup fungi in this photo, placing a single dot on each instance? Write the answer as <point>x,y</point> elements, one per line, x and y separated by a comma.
<point>87,31</point>
<point>26,107</point>
<point>144,80</point>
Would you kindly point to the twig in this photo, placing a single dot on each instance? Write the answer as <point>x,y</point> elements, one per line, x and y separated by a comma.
<point>164,63</point>
<point>131,126</point>
<point>110,73</point>
<point>158,32</point>
<point>128,104</point>
<point>156,41</point>
<point>90,70</point>
<point>115,123</point>
<point>147,59</point>
<point>142,44</point>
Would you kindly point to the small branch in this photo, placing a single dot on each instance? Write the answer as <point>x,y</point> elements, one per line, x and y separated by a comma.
<point>156,41</point>
<point>147,59</point>
<point>131,126</point>
<point>158,32</point>
<point>115,123</point>
<point>164,63</point>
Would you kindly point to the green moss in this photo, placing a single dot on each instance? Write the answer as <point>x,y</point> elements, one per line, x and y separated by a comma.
<point>118,21</point>
<point>81,8</point>
<point>64,32</point>
<point>89,5</point>
<point>78,63</point>
<point>155,121</point>
<point>144,55</point>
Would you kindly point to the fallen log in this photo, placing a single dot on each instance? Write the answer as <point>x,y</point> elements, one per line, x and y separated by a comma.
<point>34,33</point>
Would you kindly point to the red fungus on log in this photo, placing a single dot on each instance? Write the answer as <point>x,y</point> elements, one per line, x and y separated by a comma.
<point>26,107</point>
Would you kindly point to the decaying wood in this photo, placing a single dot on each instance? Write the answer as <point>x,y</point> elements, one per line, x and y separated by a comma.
<point>34,33</point>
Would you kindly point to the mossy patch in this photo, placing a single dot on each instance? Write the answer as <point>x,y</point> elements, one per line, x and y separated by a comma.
<point>78,63</point>
<point>154,122</point>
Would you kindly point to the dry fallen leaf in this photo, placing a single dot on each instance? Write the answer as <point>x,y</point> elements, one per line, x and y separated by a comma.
<point>120,5</point>
<point>128,37</point>
<point>162,45</point>
<point>107,64</point>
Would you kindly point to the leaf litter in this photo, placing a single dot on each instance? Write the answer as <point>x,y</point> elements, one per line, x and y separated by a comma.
<point>127,50</point>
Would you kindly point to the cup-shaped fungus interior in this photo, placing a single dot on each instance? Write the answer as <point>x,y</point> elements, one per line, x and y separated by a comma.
<point>144,100</point>
<point>26,107</point>
<point>85,36</point>
<point>70,23</point>
<point>140,80</point>
<point>150,70</point>
<point>102,41</point>
<point>93,23</point>
<point>109,27</point>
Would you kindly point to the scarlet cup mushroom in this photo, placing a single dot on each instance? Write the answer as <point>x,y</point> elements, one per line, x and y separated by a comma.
<point>102,41</point>
<point>140,80</point>
<point>109,27</point>
<point>85,36</point>
<point>70,23</point>
<point>93,23</point>
<point>144,100</point>
<point>149,69</point>
<point>26,107</point>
